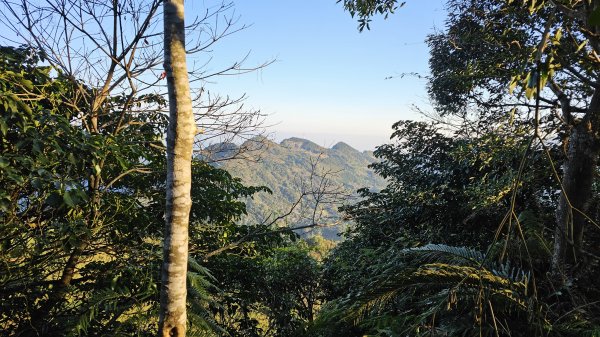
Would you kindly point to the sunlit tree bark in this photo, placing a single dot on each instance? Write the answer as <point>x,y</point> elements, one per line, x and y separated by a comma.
<point>180,139</point>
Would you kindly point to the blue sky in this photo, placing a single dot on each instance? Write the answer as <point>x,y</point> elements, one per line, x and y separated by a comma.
<point>328,82</point>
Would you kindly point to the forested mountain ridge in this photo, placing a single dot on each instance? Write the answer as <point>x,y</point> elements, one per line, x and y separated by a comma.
<point>286,169</point>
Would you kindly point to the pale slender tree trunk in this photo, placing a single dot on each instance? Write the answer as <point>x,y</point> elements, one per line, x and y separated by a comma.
<point>180,139</point>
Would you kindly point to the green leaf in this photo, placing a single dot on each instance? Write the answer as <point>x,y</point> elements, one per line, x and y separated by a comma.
<point>54,199</point>
<point>3,127</point>
<point>72,159</point>
<point>68,199</point>
<point>37,183</point>
<point>80,195</point>
<point>4,162</point>
<point>122,162</point>
<point>4,203</point>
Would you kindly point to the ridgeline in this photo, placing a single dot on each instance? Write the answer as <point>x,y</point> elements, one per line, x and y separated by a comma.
<point>295,167</point>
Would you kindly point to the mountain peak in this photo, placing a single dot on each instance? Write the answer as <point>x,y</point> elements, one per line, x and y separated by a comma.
<point>341,146</point>
<point>304,144</point>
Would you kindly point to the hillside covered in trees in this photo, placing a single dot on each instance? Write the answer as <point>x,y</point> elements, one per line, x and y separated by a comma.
<point>294,171</point>
<point>480,221</point>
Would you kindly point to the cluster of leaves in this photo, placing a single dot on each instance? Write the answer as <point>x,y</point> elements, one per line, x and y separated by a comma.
<point>365,9</point>
<point>450,187</point>
<point>53,222</point>
<point>274,292</point>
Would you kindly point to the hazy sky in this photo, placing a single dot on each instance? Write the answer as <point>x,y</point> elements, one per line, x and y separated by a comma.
<point>328,82</point>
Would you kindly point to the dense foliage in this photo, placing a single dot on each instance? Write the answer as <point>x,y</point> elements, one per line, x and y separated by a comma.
<point>487,225</point>
<point>78,260</point>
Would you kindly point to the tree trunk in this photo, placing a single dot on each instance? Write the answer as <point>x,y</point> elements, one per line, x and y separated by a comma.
<point>180,139</point>
<point>578,177</point>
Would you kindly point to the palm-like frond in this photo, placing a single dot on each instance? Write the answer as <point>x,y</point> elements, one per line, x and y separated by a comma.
<point>440,276</point>
<point>438,252</point>
<point>430,284</point>
<point>105,306</point>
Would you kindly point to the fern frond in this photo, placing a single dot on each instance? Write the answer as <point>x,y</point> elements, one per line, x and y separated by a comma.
<point>439,275</point>
<point>436,252</point>
<point>107,300</point>
<point>201,270</point>
<point>200,320</point>
<point>201,324</point>
<point>441,280</point>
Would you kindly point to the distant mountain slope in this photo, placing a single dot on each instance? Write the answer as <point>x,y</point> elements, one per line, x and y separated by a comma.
<point>286,169</point>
